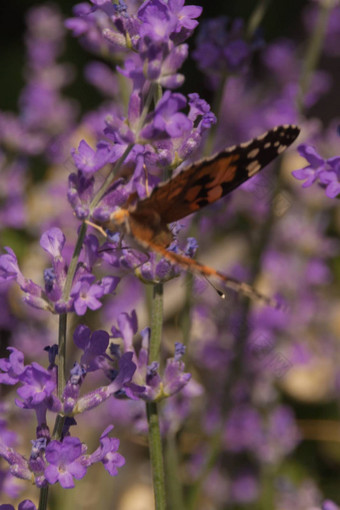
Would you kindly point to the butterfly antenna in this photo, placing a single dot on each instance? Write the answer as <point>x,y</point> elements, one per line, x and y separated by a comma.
<point>248,290</point>
<point>216,289</point>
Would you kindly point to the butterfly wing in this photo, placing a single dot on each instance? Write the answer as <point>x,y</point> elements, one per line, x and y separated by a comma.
<point>208,180</point>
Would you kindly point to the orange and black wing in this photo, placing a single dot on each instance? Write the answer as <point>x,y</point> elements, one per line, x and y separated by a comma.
<point>208,180</point>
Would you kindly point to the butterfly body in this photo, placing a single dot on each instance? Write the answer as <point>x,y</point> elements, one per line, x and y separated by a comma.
<point>195,187</point>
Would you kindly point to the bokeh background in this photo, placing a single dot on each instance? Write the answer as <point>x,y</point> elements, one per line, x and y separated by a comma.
<point>297,245</point>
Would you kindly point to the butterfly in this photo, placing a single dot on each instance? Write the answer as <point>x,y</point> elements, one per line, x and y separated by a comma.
<point>195,187</point>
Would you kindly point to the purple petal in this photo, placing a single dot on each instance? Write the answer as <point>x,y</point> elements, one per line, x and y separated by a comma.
<point>53,241</point>
<point>309,153</point>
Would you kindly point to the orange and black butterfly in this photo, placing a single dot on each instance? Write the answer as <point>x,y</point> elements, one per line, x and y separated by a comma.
<point>195,187</point>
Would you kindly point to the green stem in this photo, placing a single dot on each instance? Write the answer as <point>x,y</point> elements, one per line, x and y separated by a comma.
<point>156,322</point>
<point>43,498</point>
<point>186,315</point>
<point>62,353</point>
<point>74,262</point>
<point>60,419</point>
<point>257,17</point>
<point>314,50</point>
<point>154,94</point>
<point>196,488</point>
<point>155,440</point>
<point>62,337</point>
<point>156,455</point>
<point>174,485</point>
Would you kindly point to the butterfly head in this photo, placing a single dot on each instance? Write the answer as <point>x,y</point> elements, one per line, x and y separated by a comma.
<point>119,220</point>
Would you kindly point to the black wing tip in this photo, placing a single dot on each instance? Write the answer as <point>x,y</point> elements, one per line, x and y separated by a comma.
<point>290,130</point>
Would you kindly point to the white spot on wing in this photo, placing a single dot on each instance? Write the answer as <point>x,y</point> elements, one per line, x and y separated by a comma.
<point>253,153</point>
<point>245,144</point>
<point>253,167</point>
<point>281,148</point>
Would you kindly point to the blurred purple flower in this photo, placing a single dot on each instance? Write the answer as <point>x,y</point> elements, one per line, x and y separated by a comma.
<point>329,505</point>
<point>12,367</point>
<point>243,429</point>
<point>221,46</point>
<point>26,504</point>
<point>330,178</point>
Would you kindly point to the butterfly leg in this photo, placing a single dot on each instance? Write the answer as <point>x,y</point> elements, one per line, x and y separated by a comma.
<point>97,227</point>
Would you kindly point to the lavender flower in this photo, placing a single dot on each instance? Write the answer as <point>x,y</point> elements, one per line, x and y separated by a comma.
<point>85,292</point>
<point>107,453</point>
<point>65,462</point>
<point>325,171</point>
<point>149,384</point>
<point>237,358</point>
<point>27,504</point>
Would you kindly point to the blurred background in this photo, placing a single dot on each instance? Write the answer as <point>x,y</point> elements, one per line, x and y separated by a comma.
<point>273,379</point>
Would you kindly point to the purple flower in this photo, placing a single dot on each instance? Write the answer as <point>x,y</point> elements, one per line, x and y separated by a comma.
<point>89,161</point>
<point>327,172</point>
<point>329,505</point>
<point>147,383</point>
<point>18,464</point>
<point>37,461</point>
<point>93,344</point>
<point>158,22</point>
<point>12,368</point>
<point>101,76</point>
<point>222,46</point>
<point>72,388</point>
<point>89,23</point>
<point>9,270</point>
<point>174,378</point>
<point>123,377</point>
<point>107,453</point>
<point>243,429</point>
<point>80,193</point>
<point>330,178</point>
<point>311,172</point>
<point>86,295</point>
<point>245,487</point>
<point>38,385</point>
<point>65,462</point>
<point>167,121</point>
<point>26,504</point>
<point>127,328</point>
<point>186,15</point>
<point>53,242</point>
